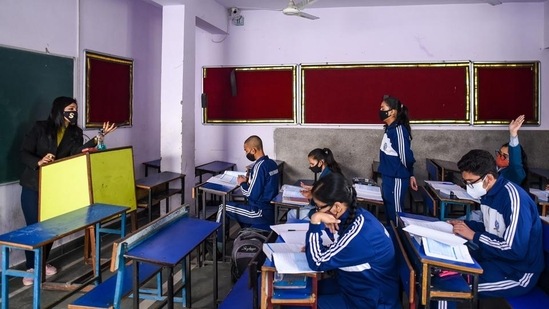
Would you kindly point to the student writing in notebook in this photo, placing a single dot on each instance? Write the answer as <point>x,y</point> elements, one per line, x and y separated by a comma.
<point>320,161</point>
<point>362,257</point>
<point>509,237</point>
<point>259,187</point>
<point>396,159</point>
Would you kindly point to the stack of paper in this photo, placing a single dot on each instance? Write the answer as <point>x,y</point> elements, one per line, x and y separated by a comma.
<point>438,239</point>
<point>448,187</point>
<point>542,195</point>
<point>295,233</point>
<point>228,178</point>
<point>293,195</point>
<point>368,192</point>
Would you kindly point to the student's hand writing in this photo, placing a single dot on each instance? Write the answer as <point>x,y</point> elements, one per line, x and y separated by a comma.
<point>460,228</point>
<point>307,194</point>
<point>547,187</point>
<point>108,127</point>
<point>240,179</point>
<point>305,187</point>
<point>515,125</point>
<point>48,158</point>
<point>413,183</point>
<point>328,219</point>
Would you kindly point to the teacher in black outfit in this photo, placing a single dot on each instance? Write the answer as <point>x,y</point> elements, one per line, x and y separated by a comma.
<point>56,138</point>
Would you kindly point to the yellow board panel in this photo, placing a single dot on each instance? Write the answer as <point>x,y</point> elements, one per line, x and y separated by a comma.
<point>64,187</point>
<point>112,177</point>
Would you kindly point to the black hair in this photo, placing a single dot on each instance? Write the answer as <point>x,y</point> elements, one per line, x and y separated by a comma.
<point>524,157</point>
<point>254,141</point>
<point>479,162</point>
<point>334,188</point>
<point>56,119</point>
<point>326,155</point>
<point>402,112</point>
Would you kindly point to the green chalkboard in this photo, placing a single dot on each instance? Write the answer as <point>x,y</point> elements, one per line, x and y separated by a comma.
<point>29,82</point>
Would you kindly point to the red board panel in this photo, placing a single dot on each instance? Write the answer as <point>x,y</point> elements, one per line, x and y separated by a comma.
<point>351,94</point>
<point>505,90</point>
<point>238,94</point>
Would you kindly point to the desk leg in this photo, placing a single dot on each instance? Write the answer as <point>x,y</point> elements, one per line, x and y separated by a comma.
<point>428,287</point>
<point>442,210</point>
<point>135,284</point>
<point>424,283</point>
<point>475,291</point>
<point>97,268</point>
<point>204,205</point>
<point>170,288</point>
<point>37,277</point>
<point>215,279</point>
<point>149,203</point>
<point>224,200</point>
<point>5,286</point>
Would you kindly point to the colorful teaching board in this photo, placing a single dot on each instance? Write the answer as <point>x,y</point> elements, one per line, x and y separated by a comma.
<point>97,177</point>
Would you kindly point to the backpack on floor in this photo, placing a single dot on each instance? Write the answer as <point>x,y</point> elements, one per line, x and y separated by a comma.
<point>246,245</point>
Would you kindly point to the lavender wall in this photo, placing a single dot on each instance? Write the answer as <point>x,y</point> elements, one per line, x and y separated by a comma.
<point>507,32</point>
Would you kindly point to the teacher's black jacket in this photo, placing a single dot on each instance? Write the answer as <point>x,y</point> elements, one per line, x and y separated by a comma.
<point>38,142</point>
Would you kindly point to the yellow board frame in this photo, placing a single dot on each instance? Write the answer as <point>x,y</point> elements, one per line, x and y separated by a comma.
<point>99,177</point>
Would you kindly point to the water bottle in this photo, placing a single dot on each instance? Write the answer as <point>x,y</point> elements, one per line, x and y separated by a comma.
<point>100,141</point>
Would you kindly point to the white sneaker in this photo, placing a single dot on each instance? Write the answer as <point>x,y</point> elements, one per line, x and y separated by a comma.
<point>29,280</point>
<point>50,270</point>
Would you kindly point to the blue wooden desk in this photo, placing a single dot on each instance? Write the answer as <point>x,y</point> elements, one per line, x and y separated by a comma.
<point>448,289</point>
<point>445,200</point>
<point>219,190</point>
<point>168,247</point>
<point>35,236</point>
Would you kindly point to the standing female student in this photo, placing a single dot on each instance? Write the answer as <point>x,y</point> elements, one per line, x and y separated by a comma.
<point>320,161</point>
<point>56,138</point>
<point>396,159</point>
<point>362,256</point>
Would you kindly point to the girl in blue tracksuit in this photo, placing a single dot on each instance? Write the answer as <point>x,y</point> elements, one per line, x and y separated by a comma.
<point>320,161</point>
<point>362,257</point>
<point>395,156</point>
<point>511,159</point>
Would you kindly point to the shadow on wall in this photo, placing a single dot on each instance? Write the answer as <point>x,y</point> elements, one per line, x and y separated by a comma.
<point>356,149</point>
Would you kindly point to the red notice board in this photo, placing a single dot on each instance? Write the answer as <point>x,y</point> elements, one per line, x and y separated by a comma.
<point>352,93</point>
<point>504,91</point>
<point>249,94</point>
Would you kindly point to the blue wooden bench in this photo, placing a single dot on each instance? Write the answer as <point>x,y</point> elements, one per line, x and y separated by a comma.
<point>159,234</point>
<point>537,298</point>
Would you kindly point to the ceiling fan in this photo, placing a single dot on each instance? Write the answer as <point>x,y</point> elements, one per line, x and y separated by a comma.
<point>294,9</point>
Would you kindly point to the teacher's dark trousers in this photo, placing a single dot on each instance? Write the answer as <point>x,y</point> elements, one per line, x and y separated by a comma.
<point>29,205</point>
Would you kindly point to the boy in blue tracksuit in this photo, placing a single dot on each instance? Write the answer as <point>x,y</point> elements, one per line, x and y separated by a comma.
<point>396,159</point>
<point>259,187</point>
<point>509,238</point>
<point>362,256</point>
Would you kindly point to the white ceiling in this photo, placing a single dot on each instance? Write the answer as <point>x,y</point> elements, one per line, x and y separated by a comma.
<point>280,4</point>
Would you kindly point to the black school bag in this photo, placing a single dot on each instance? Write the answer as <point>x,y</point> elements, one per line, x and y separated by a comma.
<point>246,245</point>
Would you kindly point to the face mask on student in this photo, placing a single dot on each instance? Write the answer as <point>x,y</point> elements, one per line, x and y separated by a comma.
<point>501,162</point>
<point>250,156</point>
<point>71,116</point>
<point>477,191</point>
<point>383,115</point>
<point>316,169</point>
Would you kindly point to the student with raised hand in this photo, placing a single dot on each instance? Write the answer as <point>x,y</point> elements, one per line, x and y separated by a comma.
<point>320,161</point>
<point>362,256</point>
<point>56,138</point>
<point>259,187</point>
<point>396,159</point>
<point>511,159</point>
<point>509,239</point>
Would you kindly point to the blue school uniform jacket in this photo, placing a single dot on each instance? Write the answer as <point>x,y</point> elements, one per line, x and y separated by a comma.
<point>363,257</point>
<point>262,185</point>
<point>396,158</point>
<point>515,171</point>
<point>510,234</point>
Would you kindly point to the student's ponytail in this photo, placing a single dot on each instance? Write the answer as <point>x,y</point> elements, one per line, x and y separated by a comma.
<point>326,155</point>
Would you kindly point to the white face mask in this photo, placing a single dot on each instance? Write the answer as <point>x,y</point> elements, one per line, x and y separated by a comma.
<point>477,191</point>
